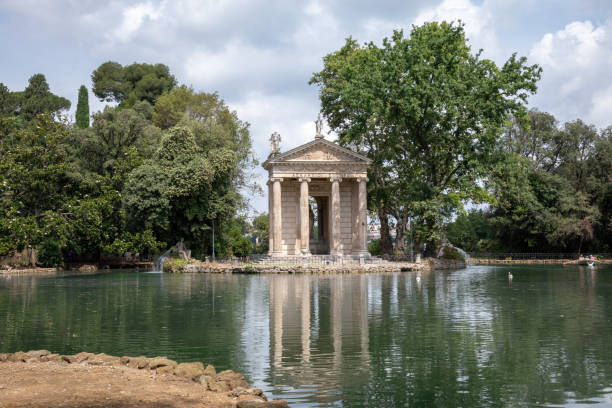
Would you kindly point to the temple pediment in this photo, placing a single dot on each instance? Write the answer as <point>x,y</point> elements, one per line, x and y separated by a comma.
<point>319,151</point>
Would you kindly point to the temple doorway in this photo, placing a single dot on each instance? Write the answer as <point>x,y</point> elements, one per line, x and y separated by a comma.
<point>319,229</point>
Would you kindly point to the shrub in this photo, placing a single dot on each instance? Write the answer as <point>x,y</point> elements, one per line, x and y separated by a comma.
<point>49,254</point>
<point>241,246</point>
<point>174,264</point>
<point>374,247</point>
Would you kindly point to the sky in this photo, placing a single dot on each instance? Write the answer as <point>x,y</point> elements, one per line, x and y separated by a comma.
<point>259,55</point>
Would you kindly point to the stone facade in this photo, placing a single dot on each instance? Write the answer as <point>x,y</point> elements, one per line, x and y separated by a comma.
<point>317,199</point>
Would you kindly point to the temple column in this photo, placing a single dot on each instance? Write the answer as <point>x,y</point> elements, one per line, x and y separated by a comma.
<point>270,218</point>
<point>363,216</point>
<point>304,216</point>
<point>335,217</point>
<point>277,224</point>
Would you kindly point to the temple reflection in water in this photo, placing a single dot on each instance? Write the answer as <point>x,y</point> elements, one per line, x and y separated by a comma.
<point>314,315</point>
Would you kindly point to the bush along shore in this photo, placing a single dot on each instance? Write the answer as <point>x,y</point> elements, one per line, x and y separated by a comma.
<point>139,380</point>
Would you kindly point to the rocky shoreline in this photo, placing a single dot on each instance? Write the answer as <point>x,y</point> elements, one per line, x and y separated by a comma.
<point>493,261</point>
<point>194,266</point>
<point>133,374</point>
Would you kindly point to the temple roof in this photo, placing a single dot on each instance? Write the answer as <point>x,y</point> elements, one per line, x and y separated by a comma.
<point>317,151</point>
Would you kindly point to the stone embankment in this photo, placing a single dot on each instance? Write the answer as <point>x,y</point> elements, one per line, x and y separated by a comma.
<point>41,379</point>
<point>195,266</point>
<point>435,264</point>
<point>492,261</point>
<point>213,267</point>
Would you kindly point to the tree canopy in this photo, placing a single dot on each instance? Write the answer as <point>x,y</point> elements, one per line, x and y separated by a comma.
<point>122,184</point>
<point>428,112</point>
<point>34,100</point>
<point>130,84</point>
<point>552,190</point>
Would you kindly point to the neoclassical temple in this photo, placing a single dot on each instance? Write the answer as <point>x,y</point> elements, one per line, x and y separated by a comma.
<point>317,199</point>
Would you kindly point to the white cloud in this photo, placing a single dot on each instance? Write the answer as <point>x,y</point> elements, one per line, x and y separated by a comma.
<point>479,23</point>
<point>259,54</point>
<point>133,19</point>
<point>577,69</point>
<point>291,116</point>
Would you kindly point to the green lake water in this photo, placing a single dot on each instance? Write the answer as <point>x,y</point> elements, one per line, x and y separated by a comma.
<point>469,338</point>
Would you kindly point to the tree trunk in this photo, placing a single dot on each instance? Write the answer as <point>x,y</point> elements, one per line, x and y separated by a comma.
<point>385,237</point>
<point>400,237</point>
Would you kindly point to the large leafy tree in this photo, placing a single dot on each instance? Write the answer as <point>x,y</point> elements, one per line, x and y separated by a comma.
<point>551,185</point>
<point>214,124</point>
<point>183,189</point>
<point>133,83</point>
<point>539,210</point>
<point>118,141</point>
<point>41,202</point>
<point>429,113</point>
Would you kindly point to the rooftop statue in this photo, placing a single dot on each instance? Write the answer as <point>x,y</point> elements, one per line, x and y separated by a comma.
<point>319,125</point>
<point>275,140</point>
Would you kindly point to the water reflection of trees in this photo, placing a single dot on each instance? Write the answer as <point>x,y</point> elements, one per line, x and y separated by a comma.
<point>185,317</point>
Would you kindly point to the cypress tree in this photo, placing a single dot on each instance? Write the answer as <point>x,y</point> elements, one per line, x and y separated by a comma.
<point>82,111</point>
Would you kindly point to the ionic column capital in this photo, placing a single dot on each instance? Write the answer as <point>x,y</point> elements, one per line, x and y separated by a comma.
<point>273,179</point>
<point>335,178</point>
<point>304,179</point>
<point>360,179</point>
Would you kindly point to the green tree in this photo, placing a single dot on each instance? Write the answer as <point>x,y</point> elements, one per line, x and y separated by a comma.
<point>537,140</point>
<point>82,111</point>
<point>128,85</point>
<point>239,244</point>
<point>214,126</point>
<point>118,141</point>
<point>539,210</point>
<point>8,101</point>
<point>34,166</point>
<point>428,112</point>
<point>549,184</point>
<point>261,227</point>
<point>473,231</point>
<point>37,99</point>
<point>183,190</point>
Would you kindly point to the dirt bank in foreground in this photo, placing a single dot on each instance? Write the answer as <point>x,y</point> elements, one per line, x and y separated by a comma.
<point>40,379</point>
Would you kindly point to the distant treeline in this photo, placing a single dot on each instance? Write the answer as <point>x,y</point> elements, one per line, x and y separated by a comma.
<point>552,191</point>
<point>165,163</point>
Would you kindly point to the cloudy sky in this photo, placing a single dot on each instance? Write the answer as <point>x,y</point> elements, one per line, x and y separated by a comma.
<point>259,55</point>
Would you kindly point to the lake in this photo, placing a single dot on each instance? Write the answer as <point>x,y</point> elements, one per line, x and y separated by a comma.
<point>469,338</point>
